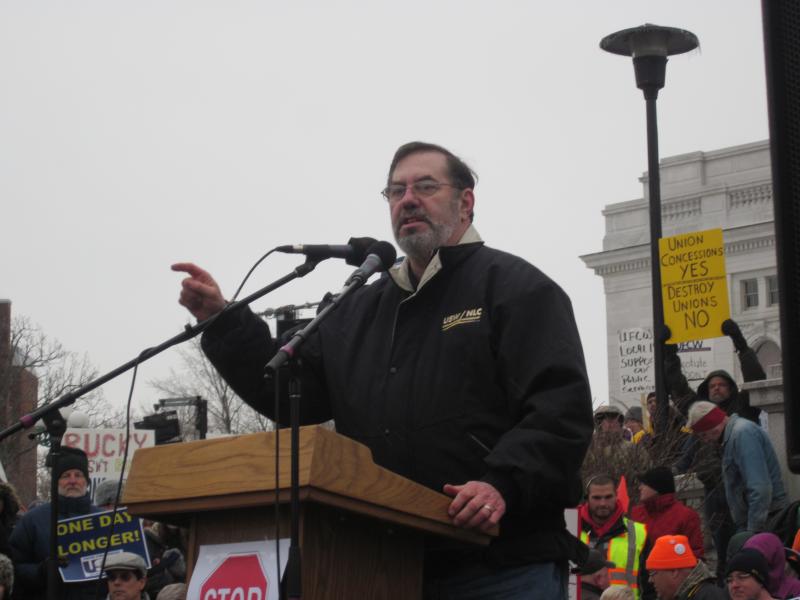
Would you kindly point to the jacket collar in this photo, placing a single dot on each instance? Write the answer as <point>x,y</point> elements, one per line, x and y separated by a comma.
<point>696,577</point>
<point>615,523</point>
<point>441,258</point>
<point>726,433</point>
<point>659,503</point>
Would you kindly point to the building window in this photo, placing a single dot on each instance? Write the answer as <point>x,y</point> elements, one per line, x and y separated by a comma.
<point>772,290</point>
<point>749,293</point>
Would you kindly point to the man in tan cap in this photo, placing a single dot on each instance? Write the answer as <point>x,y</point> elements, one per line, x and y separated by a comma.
<point>677,574</point>
<point>126,573</point>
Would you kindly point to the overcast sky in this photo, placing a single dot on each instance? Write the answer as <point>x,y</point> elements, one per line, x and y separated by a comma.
<point>136,134</point>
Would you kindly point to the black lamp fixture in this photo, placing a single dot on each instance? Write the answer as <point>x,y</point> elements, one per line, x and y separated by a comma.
<point>649,46</point>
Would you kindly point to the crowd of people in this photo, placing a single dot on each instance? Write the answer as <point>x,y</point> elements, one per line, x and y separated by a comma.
<point>643,539</point>
<point>25,545</point>
<point>462,369</point>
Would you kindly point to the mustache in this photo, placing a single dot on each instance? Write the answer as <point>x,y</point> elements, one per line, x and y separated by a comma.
<point>413,214</point>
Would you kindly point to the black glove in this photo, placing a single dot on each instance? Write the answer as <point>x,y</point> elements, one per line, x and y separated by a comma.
<point>670,350</point>
<point>731,329</point>
<point>664,334</point>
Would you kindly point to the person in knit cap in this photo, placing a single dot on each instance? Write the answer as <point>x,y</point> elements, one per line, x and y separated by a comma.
<point>751,473</point>
<point>663,513</point>
<point>746,576</point>
<point>676,573</point>
<point>30,540</point>
<point>720,388</point>
<point>777,582</point>
<point>634,422</point>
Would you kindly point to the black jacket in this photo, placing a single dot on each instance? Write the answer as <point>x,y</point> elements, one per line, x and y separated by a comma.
<point>739,401</point>
<point>479,374</point>
<point>30,547</point>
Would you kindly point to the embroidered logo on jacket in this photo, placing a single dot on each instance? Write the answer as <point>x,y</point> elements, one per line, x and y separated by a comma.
<point>471,315</point>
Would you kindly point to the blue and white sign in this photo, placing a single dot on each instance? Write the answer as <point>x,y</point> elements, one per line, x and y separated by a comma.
<point>83,541</point>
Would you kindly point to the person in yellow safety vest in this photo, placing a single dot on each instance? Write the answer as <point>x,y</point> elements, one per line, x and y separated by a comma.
<point>622,541</point>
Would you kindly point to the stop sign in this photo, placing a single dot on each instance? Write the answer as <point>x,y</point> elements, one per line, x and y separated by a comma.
<point>238,577</point>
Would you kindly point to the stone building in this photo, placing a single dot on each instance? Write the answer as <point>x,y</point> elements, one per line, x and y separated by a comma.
<point>730,189</point>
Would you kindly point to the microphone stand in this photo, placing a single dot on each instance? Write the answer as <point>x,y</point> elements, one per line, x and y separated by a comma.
<point>49,412</point>
<point>284,357</point>
<point>56,426</point>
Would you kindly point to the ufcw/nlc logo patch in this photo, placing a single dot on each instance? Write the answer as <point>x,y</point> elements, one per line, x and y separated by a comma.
<point>470,315</point>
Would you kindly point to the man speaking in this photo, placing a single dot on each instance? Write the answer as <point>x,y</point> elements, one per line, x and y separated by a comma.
<point>462,370</point>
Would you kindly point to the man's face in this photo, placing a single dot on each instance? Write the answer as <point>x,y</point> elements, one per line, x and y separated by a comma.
<point>608,422</point>
<point>602,502</point>
<point>719,389</point>
<point>72,484</point>
<point>651,406</point>
<point>666,582</point>
<point>600,579</point>
<point>125,585</point>
<point>743,586</point>
<point>633,425</point>
<point>713,435</point>
<point>422,224</point>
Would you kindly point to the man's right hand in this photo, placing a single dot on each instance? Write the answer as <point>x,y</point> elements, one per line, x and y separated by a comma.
<point>200,294</point>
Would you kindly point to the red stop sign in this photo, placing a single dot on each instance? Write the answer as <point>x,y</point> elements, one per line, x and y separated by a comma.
<point>238,577</point>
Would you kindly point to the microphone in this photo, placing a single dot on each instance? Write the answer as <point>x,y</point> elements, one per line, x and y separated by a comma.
<point>380,256</point>
<point>354,252</point>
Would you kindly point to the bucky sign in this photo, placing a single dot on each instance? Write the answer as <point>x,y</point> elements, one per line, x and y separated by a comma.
<point>238,577</point>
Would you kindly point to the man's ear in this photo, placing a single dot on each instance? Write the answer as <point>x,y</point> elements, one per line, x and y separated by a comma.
<point>466,204</point>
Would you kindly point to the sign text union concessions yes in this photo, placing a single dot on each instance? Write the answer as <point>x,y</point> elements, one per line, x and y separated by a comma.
<point>693,285</point>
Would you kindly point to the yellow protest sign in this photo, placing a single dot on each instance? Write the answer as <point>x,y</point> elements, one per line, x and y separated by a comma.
<point>693,285</point>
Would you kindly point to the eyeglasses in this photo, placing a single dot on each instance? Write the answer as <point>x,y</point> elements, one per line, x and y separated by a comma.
<point>738,577</point>
<point>124,576</point>
<point>422,189</point>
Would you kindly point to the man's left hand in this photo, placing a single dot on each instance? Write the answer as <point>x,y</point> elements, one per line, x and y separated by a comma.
<point>475,505</point>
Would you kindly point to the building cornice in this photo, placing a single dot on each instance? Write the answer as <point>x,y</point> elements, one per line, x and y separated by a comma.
<point>688,205</point>
<point>636,258</point>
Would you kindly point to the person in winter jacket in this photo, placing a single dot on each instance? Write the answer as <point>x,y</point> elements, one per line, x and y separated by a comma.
<point>677,574</point>
<point>705,460</point>
<point>126,576</point>
<point>663,513</point>
<point>6,577</point>
<point>746,576</point>
<point>9,507</point>
<point>461,369</point>
<point>751,473</point>
<point>777,582</point>
<point>624,542</point>
<point>30,540</point>
<point>593,575</point>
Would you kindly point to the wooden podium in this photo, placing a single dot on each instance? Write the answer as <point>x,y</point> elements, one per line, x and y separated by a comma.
<point>361,527</point>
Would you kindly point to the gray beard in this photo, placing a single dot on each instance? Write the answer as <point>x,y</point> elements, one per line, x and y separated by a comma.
<point>421,246</point>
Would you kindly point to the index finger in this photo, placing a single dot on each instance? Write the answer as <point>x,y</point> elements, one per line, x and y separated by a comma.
<point>190,268</point>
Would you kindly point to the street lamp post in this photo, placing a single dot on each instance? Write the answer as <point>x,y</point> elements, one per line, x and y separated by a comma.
<point>650,45</point>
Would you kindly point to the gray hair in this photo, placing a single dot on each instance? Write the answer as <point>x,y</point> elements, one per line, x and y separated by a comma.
<point>618,592</point>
